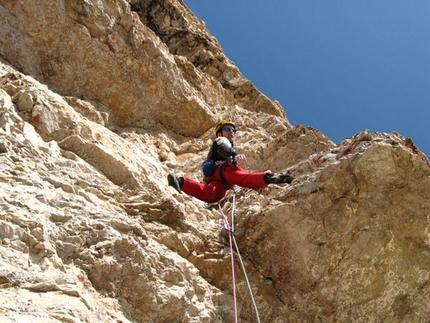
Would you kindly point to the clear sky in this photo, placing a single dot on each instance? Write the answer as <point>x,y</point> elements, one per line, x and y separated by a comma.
<point>340,66</point>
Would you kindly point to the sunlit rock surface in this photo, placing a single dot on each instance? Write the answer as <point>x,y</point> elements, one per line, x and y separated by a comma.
<point>100,100</point>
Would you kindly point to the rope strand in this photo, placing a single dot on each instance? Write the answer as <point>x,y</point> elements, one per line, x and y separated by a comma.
<point>247,281</point>
<point>232,238</point>
<point>227,226</point>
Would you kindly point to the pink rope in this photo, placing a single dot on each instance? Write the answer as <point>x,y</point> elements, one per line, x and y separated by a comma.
<point>227,225</point>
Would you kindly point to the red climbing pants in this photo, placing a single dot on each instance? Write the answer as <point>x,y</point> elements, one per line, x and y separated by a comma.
<point>216,188</point>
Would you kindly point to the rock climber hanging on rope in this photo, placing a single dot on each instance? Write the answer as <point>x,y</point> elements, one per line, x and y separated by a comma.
<point>222,170</point>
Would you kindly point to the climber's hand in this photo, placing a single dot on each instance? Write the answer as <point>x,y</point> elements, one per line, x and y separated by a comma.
<point>240,160</point>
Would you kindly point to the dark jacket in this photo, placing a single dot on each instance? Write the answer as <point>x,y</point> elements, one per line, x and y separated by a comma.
<point>222,149</point>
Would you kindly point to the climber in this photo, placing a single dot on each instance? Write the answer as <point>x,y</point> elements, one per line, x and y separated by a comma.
<point>222,170</point>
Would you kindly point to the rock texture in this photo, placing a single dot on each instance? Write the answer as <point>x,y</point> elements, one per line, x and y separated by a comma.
<point>99,100</point>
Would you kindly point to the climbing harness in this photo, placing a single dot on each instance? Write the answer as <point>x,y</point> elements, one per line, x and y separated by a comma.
<point>232,239</point>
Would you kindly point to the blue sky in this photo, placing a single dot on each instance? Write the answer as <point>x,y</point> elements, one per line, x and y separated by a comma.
<point>340,66</point>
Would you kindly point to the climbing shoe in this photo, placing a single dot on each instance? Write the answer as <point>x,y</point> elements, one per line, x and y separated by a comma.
<point>174,182</point>
<point>279,179</point>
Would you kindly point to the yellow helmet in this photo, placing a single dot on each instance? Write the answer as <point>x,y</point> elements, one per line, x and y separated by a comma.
<point>223,123</point>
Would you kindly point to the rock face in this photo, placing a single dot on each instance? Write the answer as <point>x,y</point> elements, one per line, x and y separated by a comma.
<point>99,100</point>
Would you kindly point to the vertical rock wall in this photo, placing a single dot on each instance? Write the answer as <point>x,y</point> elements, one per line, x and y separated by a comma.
<point>99,100</point>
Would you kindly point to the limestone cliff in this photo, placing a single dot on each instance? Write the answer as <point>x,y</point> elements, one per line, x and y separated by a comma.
<point>99,100</point>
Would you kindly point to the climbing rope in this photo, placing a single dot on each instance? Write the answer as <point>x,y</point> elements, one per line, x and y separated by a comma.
<point>232,239</point>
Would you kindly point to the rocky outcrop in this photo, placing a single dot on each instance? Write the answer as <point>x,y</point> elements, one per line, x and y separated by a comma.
<point>99,52</point>
<point>100,100</point>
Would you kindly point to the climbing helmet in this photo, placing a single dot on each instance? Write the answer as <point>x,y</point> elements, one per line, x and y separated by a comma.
<point>223,123</point>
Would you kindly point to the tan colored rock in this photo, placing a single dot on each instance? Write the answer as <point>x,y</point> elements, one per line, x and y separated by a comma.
<point>97,51</point>
<point>345,233</point>
<point>59,213</point>
<point>93,99</point>
<point>188,37</point>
